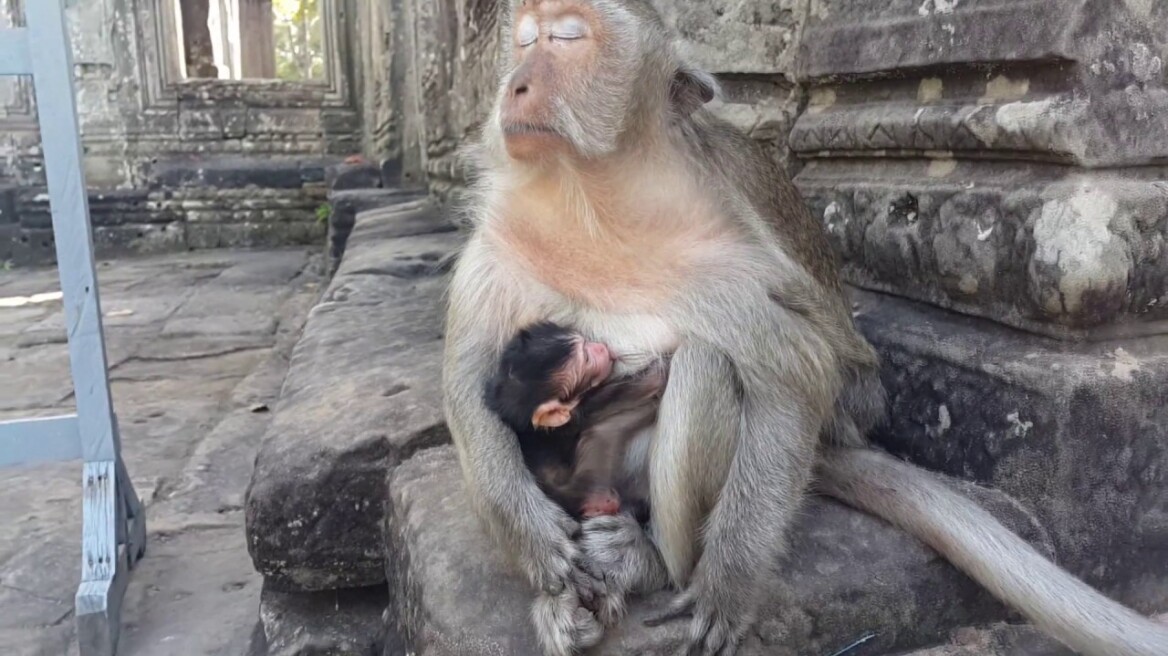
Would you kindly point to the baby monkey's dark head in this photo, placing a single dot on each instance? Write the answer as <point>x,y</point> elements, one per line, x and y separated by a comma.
<point>543,373</point>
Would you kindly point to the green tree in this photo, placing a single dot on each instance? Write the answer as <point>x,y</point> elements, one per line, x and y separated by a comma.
<point>299,36</point>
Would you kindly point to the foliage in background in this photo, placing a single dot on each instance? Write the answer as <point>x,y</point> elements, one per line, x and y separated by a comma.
<point>299,36</point>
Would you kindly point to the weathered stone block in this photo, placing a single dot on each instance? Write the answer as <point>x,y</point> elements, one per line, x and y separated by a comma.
<point>8,205</point>
<point>956,152</point>
<point>331,623</point>
<point>739,37</point>
<point>345,205</point>
<point>847,575</point>
<point>1070,255</point>
<point>106,208</point>
<point>362,393</point>
<point>1077,433</point>
<point>345,176</point>
<point>10,244</point>
<point>254,235</point>
<point>234,172</point>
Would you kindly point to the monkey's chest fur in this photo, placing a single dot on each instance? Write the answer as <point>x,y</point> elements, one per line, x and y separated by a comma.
<point>632,264</point>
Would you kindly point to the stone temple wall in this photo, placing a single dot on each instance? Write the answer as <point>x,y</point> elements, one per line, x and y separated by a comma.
<point>171,163</point>
<point>1002,158</point>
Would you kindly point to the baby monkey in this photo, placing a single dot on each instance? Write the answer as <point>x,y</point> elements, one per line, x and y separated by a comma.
<point>575,425</point>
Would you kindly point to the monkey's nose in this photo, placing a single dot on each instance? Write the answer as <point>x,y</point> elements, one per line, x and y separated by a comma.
<point>521,82</point>
<point>519,91</point>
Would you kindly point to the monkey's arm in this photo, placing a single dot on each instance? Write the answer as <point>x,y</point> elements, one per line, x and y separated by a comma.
<point>756,314</point>
<point>613,416</point>
<point>692,447</point>
<point>482,313</point>
<point>600,452</point>
<point>697,430</point>
<point>626,395</point>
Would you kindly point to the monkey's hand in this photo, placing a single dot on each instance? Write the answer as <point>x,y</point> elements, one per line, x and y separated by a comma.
<point>721,612</point>
<point>563,622</point>
<point>563,626</point>
<point>552,558</point>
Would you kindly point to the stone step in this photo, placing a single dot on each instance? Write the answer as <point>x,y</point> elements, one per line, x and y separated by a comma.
<point>362,393</point>
<point>346,204</point>
<point>1078,434</point>
<point>237,171</point>
<point>848,575</point>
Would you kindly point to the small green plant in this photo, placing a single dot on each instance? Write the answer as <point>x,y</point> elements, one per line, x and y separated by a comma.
<point>323,213</point>
<point>6,265</point>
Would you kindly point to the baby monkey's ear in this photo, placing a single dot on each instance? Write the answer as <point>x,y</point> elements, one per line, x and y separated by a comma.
<point>553,414</point>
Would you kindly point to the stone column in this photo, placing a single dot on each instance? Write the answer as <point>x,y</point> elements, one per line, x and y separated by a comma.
<point>257,39</point>
<point>197,49</point>
<point>1005,160</point>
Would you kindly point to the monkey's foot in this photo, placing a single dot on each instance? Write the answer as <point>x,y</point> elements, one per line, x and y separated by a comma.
<point>550,555</point>
<point>718,621</point>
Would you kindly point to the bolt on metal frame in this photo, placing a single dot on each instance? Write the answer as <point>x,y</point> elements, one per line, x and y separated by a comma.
<point>114,526</point>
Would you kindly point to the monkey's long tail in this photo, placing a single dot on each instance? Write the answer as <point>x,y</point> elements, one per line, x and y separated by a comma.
<point>975,542</point>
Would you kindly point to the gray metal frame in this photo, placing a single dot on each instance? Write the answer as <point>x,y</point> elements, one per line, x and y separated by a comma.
<point>114,530</point>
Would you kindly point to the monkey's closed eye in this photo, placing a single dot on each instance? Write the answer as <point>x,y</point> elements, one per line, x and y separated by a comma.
<point>569,29</point>
<point>527,32</point>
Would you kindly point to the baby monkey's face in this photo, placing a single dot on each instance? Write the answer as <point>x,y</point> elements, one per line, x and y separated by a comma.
<point>587,366</point>
<point>592,362</point>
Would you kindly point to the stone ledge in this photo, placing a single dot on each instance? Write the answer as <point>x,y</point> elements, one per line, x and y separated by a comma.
<point>239,171</point>
<point>849,574</point>
<point>1074,255</point>
<point>847,40</point>
<point>345,205</point>
<point>1077,433</point>
<point>362,393</point>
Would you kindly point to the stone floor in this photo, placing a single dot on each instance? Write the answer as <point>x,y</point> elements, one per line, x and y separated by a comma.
<point>198,346</point>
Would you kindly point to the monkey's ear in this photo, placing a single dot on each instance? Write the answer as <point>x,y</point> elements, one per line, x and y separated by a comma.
<point>552,414</point>
<point>691,88</point>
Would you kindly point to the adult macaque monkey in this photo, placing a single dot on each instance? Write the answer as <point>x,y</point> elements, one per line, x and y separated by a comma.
<point>608,200</point>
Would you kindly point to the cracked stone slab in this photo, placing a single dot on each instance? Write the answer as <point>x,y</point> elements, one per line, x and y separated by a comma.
<point>341,423</point>
<point>189,439</point>
<point>848,574</point>
<point>1077,433</point>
